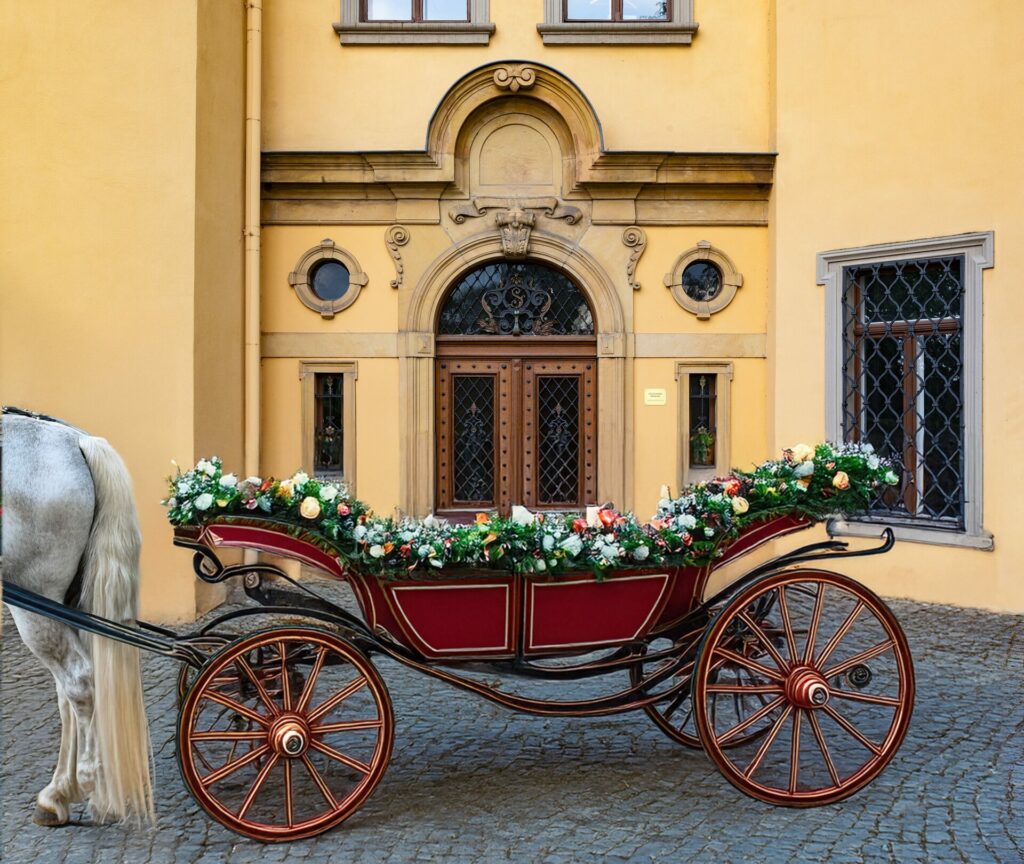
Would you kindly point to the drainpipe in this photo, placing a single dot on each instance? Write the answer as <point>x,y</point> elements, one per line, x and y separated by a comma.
<point>251,231</point>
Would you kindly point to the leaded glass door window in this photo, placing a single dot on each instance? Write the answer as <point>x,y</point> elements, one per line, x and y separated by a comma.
<point>516,393</point>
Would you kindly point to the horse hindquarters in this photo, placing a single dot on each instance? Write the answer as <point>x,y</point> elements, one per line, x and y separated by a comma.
<point>110,589</point>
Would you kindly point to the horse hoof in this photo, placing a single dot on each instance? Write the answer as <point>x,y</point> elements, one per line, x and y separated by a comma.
<point>49,818</point>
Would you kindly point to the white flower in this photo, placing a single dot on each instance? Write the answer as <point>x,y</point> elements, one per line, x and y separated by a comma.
<point>359,532</point>
<point>183,488</point>
<point>547,542</point>
<point>254,480</point>
<point>873,462</point>
<point>424,551</point>
<point>204,466</point>
<point>172,502</point>
<point>204,501</point>
<point>709,532</point>
<point>804,469</point>
<point>431,521</point>
<point>328,493</point>
<point>572,544</point>
<point>867,448</point>
<point>407,535</point>
<point>539,565</point>
<point>521,516</point>
<point>664,504</point>
<point>641,553</point>
<point>377,551</point>
<point>228,481</point>
<point>686,521</point>
<point>300,477</point>
<point>434,562</point>
<point>891,478</point>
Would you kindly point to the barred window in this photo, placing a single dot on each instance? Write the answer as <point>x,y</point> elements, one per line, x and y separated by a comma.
<point>903,380</point>
<point>903,372</point>
<point>329,420</point>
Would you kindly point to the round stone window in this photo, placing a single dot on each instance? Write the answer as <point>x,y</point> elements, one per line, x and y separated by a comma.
<point>327,278</point>
<point>330,280</point>
<point>702,281</point>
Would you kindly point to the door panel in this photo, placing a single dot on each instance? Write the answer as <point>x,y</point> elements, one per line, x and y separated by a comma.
<point>558,441</point>
<point>473,417</point>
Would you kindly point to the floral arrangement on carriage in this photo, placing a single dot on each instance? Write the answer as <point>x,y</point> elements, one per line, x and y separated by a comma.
<point>691,529</point>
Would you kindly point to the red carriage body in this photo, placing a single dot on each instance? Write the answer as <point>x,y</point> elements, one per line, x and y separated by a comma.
<point>487,615</point>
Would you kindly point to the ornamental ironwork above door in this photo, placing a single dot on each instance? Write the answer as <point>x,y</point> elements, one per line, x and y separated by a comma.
<point>516,299</point>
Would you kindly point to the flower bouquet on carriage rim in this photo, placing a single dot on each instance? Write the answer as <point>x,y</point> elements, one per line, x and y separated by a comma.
<point>691,529</point>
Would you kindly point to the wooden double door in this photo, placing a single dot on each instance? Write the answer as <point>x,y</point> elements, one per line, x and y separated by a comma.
<point>516,424</point>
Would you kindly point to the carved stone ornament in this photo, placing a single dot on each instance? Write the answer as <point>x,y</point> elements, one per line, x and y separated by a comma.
<point>552,208</point>
<point>515,77</point>
<point>636,238</point>
<point>515,226</point>
<point>396,237</point>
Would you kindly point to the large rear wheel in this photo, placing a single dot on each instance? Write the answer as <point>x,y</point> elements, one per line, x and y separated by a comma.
<point>824,708</point>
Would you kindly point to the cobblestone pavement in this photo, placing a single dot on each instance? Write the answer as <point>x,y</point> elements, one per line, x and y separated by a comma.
<point>470,782</point>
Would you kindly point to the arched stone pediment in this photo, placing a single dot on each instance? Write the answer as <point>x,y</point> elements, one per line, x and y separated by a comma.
<point>530,90</point>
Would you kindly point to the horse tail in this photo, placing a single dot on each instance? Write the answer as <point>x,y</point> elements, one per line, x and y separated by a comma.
<point>110,589</point>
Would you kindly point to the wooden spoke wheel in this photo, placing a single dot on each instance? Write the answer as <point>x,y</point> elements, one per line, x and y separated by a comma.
<point>674,714</point>
<point>285,733</point>
<point>833,700</point>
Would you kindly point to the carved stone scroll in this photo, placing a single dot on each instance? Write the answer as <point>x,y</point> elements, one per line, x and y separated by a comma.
<point>514,77</point>
<point>636,238</point>
<point>396,237</point>
<point>551,207</point>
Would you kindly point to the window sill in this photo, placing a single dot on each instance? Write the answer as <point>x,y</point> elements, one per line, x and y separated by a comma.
<point>414,33</point>
<point>617,33</point>
<point>931,536</point>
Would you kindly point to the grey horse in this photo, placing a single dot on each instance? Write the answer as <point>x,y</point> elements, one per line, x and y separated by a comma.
<point>70,533</point>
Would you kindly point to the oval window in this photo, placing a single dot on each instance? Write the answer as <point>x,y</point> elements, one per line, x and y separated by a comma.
<point>702,281</point>
<point>330,280</point>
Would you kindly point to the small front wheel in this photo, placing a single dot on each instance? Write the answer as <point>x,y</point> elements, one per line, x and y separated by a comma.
<point>826,699</point>
<point>285,733</point>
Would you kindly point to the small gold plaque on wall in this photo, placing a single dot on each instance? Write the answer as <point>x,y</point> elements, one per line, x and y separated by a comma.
<point>655,396</point>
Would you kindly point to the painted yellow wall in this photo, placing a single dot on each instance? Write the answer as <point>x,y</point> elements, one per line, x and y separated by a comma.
<point>98,248</point>
<point>712,96</point>
<point>899,121</point>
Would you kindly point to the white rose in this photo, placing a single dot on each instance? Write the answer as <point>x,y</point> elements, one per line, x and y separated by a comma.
<point>254,480</point>
<point>183,488</point>
<point>572,544</point>
<point>328,493</point>
<point>539,565</point>
<point>521,516</point>
<point>204,501</point>
<point>206,467</point>
<point>873,462</point>
<point>641,553</point>
<point>228,481</point>
<point>801,453</point>
<point>359,532</point>
<point>687,521</point>
<point>867,448</point>
<point>547,543</point>
<point>377,551</point>
<point>709,532</point>
<point>299,477</point>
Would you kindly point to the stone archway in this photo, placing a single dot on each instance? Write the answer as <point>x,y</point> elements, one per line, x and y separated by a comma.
<point>418,317</point>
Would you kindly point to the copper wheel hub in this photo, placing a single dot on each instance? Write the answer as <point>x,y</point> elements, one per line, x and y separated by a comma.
<point>289,736</point>
<point>805,688</point>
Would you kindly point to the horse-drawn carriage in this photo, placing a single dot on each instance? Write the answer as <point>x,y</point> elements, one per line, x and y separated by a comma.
<point>796,681</point>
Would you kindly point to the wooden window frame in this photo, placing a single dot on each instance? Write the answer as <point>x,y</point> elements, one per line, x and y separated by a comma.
<point>354,29</point>
<point>678,28</point>
<point>417,15</point>
<point>723,372</point>
<point>616,16</point>
<point>307,376</point>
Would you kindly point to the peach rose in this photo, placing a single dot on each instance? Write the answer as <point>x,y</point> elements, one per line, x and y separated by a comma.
<point>841,480</point>
<point>309,508</point>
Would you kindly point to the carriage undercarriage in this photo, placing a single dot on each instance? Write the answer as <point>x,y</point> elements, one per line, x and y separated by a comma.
<point>796,681</point>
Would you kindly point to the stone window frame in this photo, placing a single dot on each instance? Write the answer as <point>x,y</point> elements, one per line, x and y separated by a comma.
<point>352,30</point>
<point>349,370</point>
<point>678,30</point>
<point>732,280</point>
<point>977,249</point>
<point>723,372</point>
<point>299,278</point>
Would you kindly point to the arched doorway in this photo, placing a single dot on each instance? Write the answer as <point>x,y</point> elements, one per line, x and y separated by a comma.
<point>516,392</point>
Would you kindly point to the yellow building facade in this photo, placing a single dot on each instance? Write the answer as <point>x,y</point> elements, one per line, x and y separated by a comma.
<point>257,224</point>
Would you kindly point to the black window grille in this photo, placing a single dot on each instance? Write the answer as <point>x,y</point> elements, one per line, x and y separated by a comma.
<point>516,299</point>
<point>473,414</point>
<point>329,431</point>
<point>558,414</point>
<point>903,365</point>
<point>703,431</point>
